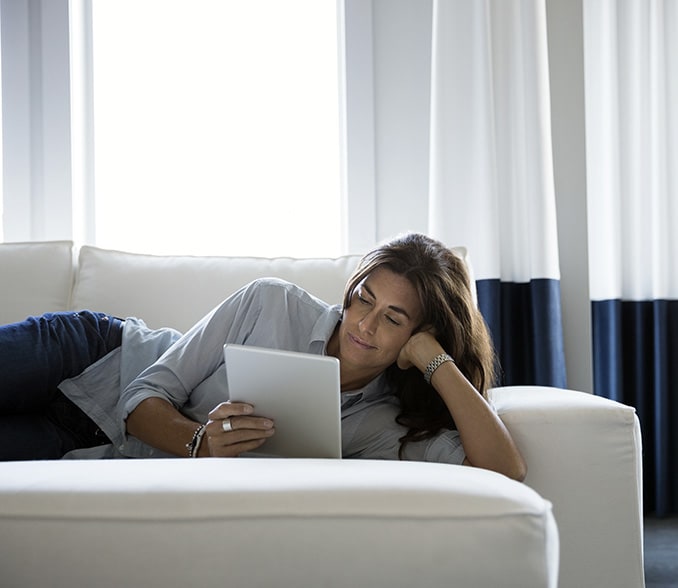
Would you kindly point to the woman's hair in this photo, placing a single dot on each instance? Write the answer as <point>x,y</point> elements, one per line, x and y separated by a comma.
<point>442,282</point>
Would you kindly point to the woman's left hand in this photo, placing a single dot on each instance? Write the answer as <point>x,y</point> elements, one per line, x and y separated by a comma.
<point>487,443</point>
<point>419,350</point>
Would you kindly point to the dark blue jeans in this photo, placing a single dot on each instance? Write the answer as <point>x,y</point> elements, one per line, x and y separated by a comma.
<point>36,420</point>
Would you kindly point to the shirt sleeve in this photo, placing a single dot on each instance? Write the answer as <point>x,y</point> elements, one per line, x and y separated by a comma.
<point>445,447</point>
<point>196,355</point>
<point>375,434</point>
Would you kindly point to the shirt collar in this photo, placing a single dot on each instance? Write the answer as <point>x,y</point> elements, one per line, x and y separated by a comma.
<point>323,329</point>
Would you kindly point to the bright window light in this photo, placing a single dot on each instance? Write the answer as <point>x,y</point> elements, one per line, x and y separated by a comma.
<point>216,126</point>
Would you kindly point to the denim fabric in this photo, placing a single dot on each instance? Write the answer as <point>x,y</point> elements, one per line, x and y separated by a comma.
<point>36,420</point>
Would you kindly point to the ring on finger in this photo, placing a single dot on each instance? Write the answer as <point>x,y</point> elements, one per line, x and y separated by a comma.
<point>227,425</point>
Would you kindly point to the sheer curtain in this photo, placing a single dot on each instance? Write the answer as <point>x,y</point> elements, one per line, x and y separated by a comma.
<point>491,174</point>
<point>631,59</point>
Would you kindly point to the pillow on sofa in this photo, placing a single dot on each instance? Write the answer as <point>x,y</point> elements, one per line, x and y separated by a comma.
<point>176,291</point>
<point>34,278</point>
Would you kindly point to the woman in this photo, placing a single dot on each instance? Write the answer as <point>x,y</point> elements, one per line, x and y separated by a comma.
<point>407,306</point>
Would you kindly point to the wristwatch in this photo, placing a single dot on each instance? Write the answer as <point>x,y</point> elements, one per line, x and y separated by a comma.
<point>434,364</point>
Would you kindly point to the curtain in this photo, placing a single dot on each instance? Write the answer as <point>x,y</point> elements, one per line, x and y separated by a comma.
<point>491,175</point>
<point>631,71</point>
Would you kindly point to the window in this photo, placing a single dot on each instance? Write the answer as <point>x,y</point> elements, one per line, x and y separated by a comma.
<point>216,126</point>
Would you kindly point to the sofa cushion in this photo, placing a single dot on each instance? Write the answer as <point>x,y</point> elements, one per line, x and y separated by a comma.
<point>278,523</point>
<point>34,278</point>
<point>176,291</point>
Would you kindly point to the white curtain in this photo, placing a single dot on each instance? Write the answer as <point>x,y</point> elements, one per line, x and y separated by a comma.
<point>631,50</point>
<point>631,65</point>
<point>491,173</point>
<point>491,179</point>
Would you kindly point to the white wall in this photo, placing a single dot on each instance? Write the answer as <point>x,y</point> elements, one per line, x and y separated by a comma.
<point>36,121</point>
<point>402,33</point>
<point>566,60</point>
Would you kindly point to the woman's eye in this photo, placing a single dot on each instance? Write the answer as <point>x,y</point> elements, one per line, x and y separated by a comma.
<point>392,321</point>
<point>362,299</point>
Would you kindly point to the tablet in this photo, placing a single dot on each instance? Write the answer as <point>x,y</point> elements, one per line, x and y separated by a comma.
<point>299,391</point>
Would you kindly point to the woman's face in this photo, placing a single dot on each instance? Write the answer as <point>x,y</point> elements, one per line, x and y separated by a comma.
<point>383,313</point>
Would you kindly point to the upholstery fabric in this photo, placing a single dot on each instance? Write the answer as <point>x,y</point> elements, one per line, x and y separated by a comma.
<point>562,433</point>
<point>278,523</point>
<point>46,276</point>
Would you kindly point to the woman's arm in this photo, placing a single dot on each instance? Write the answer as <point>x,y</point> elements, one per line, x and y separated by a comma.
<point>157,423</point>
<point>486,441</point>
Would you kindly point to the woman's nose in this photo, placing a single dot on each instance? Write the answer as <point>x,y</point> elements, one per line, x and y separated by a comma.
<point>368,323</point>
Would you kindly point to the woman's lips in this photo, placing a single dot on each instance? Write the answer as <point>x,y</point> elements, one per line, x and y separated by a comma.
<point>359,342</point>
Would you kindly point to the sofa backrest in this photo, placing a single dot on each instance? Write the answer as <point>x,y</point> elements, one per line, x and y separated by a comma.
<point>34,278</point>
<point>176,291</point>
<point>164,291</point>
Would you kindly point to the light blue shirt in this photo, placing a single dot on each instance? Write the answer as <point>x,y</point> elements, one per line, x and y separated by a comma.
<point>189,372</point>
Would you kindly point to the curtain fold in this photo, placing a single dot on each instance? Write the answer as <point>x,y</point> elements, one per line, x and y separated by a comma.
<point>631,69</point>
<point>491,174</point>
<point>525,323</point>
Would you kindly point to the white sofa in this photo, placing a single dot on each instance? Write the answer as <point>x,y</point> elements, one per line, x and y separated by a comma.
<point>285,523</point>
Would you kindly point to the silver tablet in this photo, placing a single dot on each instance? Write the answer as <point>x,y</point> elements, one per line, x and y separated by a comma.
<point>299,391</point>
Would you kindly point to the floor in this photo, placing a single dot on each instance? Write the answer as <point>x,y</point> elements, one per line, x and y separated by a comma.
<point>661,552</point>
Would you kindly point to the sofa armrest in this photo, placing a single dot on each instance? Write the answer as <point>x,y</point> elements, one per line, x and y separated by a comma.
<point>583,453</point>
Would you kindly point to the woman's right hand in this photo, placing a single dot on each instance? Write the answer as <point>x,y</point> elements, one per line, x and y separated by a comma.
<point>232,429</point>
<point>419,350</point>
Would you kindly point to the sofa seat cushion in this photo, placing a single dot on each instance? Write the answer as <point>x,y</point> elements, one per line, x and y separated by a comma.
<point>271,522</point>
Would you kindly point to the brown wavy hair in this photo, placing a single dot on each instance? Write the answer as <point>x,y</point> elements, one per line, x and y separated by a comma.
<point>442,282</point>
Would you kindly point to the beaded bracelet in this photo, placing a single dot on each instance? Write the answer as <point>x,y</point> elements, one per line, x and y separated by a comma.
<point>434,364</point>
<point>194,445</point>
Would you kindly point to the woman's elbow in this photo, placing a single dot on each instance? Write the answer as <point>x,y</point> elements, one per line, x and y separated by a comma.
<point>516,469</point>
<point>518,472</point>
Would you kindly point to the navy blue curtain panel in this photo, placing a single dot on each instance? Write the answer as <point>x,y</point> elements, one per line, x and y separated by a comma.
<point>635,350</point>
<point>525,322</point>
